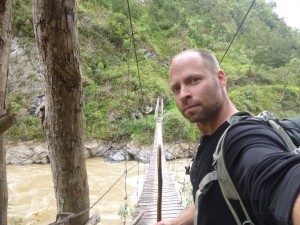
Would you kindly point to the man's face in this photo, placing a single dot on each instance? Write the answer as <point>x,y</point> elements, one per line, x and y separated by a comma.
<point>197,91</point>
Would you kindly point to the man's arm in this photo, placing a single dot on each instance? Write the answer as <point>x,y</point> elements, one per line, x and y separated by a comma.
<point>186,218</point>
<point>296,211</point>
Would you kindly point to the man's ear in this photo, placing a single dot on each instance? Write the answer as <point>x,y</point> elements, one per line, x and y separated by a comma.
<point>222,78</point>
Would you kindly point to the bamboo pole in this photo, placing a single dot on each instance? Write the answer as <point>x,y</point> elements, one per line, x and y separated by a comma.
<point>160,182</point>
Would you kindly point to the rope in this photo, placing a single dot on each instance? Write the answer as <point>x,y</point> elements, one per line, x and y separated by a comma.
<point>128,112</point>
<point>125,184</point>
<point>137,182</point>
<point>135,53</point>
<point>72,216</point>
<point>160,183</point>
<point>127,95</point>
<point>237,31</point>
<point>141,96</point>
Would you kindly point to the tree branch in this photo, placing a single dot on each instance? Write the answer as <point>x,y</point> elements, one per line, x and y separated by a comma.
<point>7,119</point>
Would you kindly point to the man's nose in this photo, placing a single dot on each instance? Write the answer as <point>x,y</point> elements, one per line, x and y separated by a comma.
<point>184,93</point>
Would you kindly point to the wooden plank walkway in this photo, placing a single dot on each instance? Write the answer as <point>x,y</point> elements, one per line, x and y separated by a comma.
<point>171,205</point>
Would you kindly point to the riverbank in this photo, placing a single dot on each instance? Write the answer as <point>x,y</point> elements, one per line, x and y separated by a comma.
<point>31,152</point>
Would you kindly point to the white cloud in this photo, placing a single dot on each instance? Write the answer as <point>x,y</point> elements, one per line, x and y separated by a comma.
<point>289,11</point>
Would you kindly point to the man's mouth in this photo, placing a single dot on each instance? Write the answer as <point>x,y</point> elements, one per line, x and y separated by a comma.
<point>189,108</point>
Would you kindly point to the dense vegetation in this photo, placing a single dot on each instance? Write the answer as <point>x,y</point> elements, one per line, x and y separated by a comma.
<point>124,73</point>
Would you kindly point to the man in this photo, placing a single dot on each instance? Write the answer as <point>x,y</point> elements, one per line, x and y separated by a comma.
<point>266,176</point>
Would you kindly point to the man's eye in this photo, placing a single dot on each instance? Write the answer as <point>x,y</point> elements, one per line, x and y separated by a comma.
<point>194,80</point>
<point>175,90</point>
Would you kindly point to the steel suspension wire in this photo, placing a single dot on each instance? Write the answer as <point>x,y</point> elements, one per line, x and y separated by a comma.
<point>135,53</point>
<point>73,215</point>
<point>237,31</point>
<point>127,95</point>
<point>125,153</point>
<point>126,195</point>
<point>141,96</point>
<point>125,189</point>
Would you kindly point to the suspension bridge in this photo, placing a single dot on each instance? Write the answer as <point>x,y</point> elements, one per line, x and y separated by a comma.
<point>159,199</point>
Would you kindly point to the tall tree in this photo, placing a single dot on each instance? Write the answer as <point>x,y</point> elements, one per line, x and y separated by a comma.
<point>55,27</point>
<point>5,39</point>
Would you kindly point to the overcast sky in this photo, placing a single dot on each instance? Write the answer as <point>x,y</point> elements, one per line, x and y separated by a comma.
<point>289,10</point>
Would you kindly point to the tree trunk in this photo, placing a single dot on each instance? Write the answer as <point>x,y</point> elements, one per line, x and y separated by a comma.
<point>283,92</point>
<point>5,39</point>
<point>55,26</point>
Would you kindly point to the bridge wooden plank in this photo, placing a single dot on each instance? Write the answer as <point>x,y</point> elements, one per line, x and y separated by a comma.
<point>171,204</point>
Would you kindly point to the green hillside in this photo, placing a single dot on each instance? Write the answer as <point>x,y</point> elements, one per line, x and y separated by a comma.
<point>125,74</point>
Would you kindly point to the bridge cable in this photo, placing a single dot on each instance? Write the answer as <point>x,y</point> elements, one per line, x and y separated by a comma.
<point>125,187</point>
<point>135,53</point>
<point>127,93</point>
<point>72,216</point>
<point>141,96</point>
<point>138,170</point>
<point>237,31</point>
<point>128,114</point>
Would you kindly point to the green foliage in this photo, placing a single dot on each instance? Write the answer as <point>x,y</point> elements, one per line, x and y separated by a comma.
<point>118,28</point>
<point>175,127</point>
<point>185,193</point>
<point>26,128</point>
<point>173,124</point>
<point>15,100</point>
<point>22,18</point>
<point>125,211</point>
<point>191,132</point>
<point>280,100</point>
<point>140,131</point>
<point>122,77</point>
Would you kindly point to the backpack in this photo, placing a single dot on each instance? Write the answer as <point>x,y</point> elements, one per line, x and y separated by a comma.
<point>288,129</point>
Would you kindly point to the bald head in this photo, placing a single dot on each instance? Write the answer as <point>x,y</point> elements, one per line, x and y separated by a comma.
<point>209,60</point>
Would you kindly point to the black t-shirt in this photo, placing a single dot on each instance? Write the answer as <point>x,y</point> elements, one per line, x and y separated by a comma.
<point>266,176</point>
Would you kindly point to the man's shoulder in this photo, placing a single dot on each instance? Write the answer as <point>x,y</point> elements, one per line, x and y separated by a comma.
<point>252,132</point>
<point>248,124</point>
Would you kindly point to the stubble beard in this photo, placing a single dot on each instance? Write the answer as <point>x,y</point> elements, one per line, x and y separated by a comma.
<point>203,115</point>
<point>195,117</point>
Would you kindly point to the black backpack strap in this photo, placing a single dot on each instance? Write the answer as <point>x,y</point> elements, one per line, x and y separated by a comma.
<point>227,186</point>
<point>292,127</point>
<point>205,182</point>
<point>238,117</point>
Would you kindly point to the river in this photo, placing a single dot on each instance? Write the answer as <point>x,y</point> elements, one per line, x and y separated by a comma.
<point>32,201</point>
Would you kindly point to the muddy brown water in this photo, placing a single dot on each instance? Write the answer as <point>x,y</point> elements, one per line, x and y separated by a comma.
<point>32,201</point>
